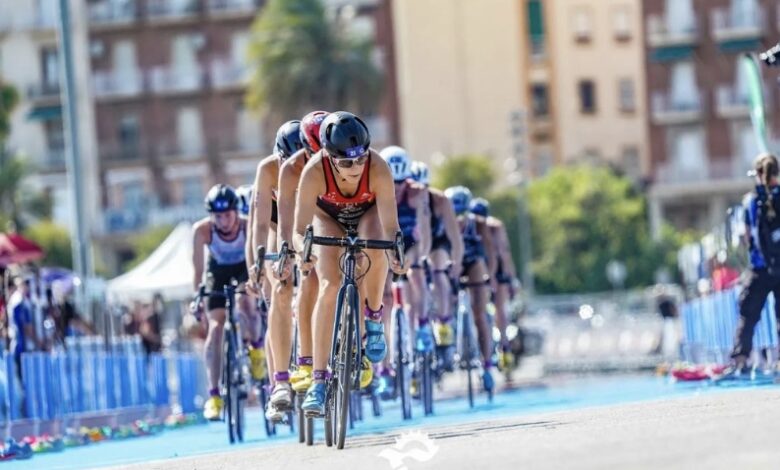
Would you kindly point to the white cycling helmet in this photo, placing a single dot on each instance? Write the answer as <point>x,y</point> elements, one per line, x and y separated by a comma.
<point>244,194</point>
<point>398,160</point>
<point>420,173</point>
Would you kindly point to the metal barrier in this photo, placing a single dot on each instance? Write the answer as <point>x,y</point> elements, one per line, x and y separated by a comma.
<point>710,324</point>
<point>87,377</point>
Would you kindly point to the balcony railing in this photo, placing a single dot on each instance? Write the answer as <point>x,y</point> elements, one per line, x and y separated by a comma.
<point>730,24</point>
<point>166,79</point>
<point>732,101</point>
<point>113,12</point>
<point>233,7</point>
<point>43,91</point>
<point>226,73</point>
<point>118,154</point>
<point>659,33</point>
<point>671,110</point>
<point>172,9</point>
<point>125,219</point>
<point>186,149</point>
<point>54,160</point>
<point>118,83</point>
<point>714,169</point>
<point>136,219</point>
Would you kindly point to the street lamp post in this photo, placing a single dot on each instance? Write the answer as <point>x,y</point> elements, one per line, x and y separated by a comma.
<point>79,235</point>
<point>517,123</point>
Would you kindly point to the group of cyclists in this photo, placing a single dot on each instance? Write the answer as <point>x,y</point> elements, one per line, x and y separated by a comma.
<point>323,173</point>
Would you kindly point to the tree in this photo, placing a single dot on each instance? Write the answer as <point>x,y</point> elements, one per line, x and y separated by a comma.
<point>146,243</point>
<point>303,60</point>
<point>9,98</point>
<point>55,241</point>
<point>504,205</point>
<point>581,219</point>
<point>472,171</point>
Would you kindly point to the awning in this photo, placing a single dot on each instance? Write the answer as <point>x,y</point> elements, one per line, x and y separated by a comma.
<point>45,113</point>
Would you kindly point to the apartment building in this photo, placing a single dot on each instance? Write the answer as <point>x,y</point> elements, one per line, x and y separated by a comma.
<point>700,137</point>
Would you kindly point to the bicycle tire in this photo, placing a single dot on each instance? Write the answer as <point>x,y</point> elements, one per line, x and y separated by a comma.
<point>226,369</point>
<point>427,383</point>
<point>345,372</point>
<point>301,418</point>
<point>468,357</point>
<point>402,366</point>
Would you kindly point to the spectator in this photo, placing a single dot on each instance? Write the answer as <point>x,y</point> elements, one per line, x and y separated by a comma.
<point>21,328</point>
<point>723,276</point>
<point>149,325</point>
<point>67,320</point>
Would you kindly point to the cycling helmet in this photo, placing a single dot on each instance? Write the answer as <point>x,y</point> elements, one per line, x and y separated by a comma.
<point>480,206</point>
<point>460,197</point>
<point>310,130</point>
<point>288,139</point>
<point>221,198</point>
<point>398,161</point>
<point>244,194</point>
<point>420,173</point>
<point>344,135</point>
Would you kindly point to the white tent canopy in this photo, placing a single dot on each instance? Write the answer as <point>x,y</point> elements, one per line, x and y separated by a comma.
<point>168,270</point>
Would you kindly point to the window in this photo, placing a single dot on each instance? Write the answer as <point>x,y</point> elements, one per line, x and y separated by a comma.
<point>50,68</point>
<point>621,23</point>
<point>133,195</point>
<point>536,28</point>
<point>192,191</point>
<point>129,137</point>
<point>583,24</point>
<point>189,132</point>
<point>55,143</point>
<point>626,95</point>
<point>539,100</point>
<point>630,161</point>
<point>587,96</point>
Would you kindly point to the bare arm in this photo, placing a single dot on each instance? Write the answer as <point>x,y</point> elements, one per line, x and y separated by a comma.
<point>262,196</point>
<point>384,188</point>
<point>424,221</point>
<point>288,187</point>
<point>505,251</point>
<point>309,188</point>
<point>452,229</point>
<point>490,246</point>
<point>198,243</point>
<point>249,252</point>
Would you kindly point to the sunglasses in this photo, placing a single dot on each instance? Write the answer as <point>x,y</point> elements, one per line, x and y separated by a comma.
<point>350,162</point>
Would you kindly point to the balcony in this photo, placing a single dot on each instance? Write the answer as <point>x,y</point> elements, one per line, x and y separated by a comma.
<point>732,102</point>
<point>671,110</point>
<point>720,169</point>
<point>729,25</point>
<point>117,84</point>
<point>234,145</point>
<point>124,220</point>
<point>661,35</point>
<point>226,73</point>
<point>232,8</point>
<point>53,161</point>
<point>165,79</point>
<point>112,13</point>
<point>123,155</point>
<point>41,92</point>
<point>172,10</point>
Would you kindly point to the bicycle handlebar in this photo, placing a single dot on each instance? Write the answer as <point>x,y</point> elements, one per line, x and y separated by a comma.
<point>349,241</point>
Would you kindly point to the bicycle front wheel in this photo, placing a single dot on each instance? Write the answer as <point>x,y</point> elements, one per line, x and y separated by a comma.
<point>345,363</point>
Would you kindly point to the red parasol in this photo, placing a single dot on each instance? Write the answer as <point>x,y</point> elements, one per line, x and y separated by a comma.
<point>14,249</point>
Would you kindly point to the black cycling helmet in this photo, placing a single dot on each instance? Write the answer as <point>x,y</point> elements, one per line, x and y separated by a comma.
<point>221,198</point>
<point>288,139</point>
<point>344,135</point>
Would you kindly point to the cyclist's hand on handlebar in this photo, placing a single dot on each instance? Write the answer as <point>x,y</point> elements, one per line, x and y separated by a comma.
<point>306,266</point>
<point>253,288</point>
<point>396,267</point>
<point>286,270</point>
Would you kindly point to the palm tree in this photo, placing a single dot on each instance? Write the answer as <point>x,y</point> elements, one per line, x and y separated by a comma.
<point>303,59</point>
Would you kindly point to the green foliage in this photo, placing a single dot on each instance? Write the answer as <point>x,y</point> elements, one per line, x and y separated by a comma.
<point>9,98</point>
<point>473,171</point>
<point>303,60</point>
<point>55,241</point>
<point>584,217</point>
<point>12,172</point>
<point>145,243</point>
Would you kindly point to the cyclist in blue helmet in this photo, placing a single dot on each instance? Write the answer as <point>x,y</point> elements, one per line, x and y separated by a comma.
<point>478,263</point>
<point>264,217</point>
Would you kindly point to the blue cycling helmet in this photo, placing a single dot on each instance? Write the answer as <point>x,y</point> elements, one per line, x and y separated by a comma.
<point>420,173</point>
<point>221,198</point>
<point>244,194</point>
<point>460,197</point>
<point>480,206</point>
<point>288,139</point>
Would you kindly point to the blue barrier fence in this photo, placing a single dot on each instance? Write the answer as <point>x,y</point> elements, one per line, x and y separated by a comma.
<point>710,324</point>
<point>87,377</point>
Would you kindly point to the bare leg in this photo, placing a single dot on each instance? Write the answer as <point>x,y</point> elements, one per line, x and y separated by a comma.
<point>213,346</point>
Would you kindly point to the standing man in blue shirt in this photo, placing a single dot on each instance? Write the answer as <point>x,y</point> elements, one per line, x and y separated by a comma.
<point>21,327</point>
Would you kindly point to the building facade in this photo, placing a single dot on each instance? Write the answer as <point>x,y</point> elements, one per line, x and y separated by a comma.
<point>701,139</point>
